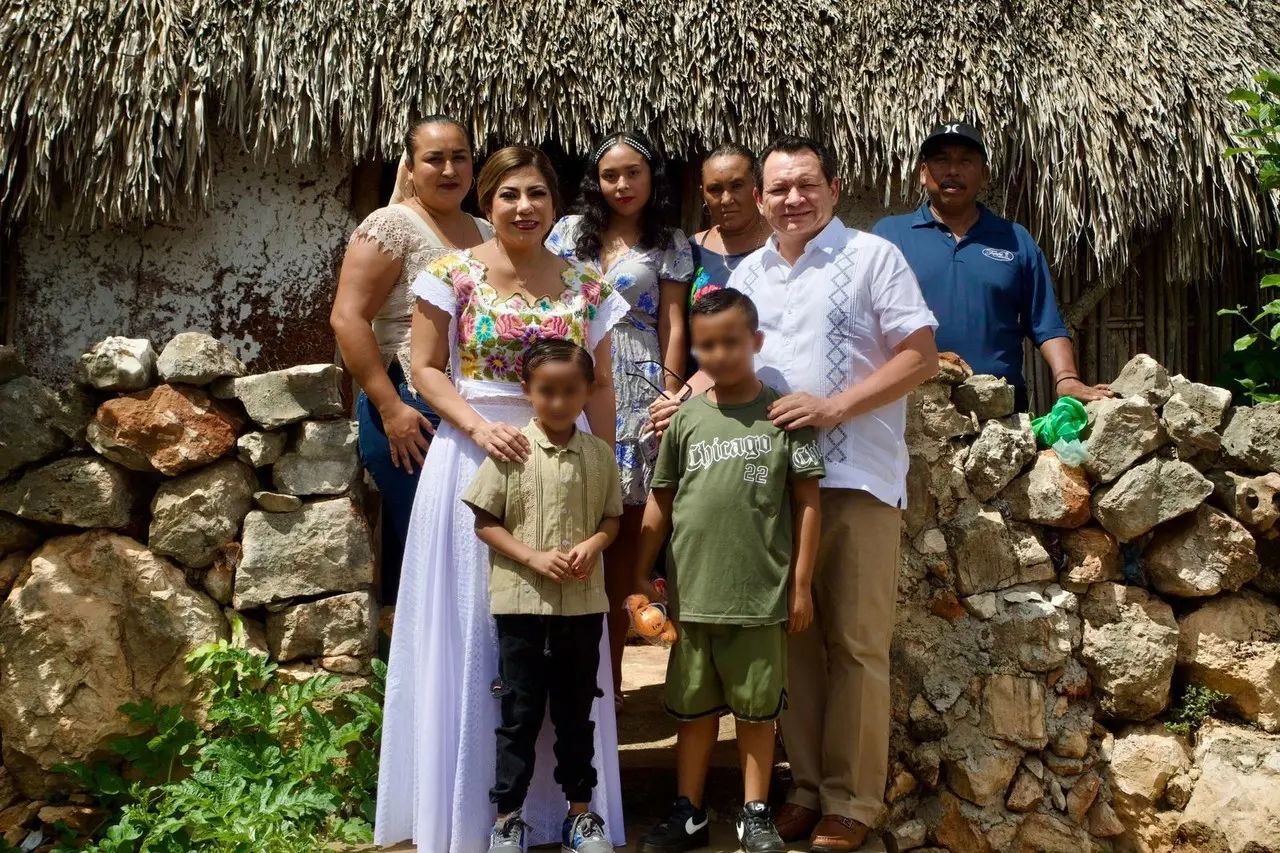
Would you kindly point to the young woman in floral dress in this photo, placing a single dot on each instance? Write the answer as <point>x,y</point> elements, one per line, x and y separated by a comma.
<point>621,229</point>
<point>480,310</point>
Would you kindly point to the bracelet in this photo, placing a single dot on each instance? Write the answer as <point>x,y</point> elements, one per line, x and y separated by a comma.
<point>1064,378</point>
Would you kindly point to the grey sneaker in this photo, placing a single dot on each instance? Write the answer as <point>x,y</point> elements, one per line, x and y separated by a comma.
<point>508,835</point>
<point>584,833</point>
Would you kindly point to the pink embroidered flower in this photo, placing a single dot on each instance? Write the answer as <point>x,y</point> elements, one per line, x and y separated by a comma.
<point>519,366</point>
<point>510,327</point>
<point>463,285</point>
<point>466,328</point>
<point>498,364</point>
<point>591,291</point>
<point>554,327</point>
<point>710,288</point>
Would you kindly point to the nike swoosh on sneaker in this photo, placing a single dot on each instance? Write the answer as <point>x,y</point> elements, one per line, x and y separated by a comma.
<point>691,828</point>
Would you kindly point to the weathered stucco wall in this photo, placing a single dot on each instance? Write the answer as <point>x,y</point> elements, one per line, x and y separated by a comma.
<point>258,271</point>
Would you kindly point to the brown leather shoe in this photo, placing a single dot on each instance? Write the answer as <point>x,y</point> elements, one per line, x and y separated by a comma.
<point>795,823</point>
<point>836,834</point>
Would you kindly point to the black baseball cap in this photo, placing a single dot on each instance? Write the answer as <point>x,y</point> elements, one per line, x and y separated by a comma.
<point>954,133</point>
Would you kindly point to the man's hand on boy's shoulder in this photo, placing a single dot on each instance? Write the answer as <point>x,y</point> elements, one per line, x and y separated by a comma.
<point>799,608</point>
<point>552,564</point>
<point>796,411</point>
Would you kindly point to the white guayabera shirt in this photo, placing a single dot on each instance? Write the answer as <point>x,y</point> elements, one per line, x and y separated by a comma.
<point>829,322</point>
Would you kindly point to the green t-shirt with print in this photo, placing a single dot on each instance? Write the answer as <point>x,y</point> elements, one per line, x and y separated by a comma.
<point>730,555</point>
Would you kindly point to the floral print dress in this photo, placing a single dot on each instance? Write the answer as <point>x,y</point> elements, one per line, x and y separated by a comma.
<point>638,276</point>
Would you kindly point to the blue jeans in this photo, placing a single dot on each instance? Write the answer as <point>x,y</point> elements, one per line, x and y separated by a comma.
<point>396,485</point>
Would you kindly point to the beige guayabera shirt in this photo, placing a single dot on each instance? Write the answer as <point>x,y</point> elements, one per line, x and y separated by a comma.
<point>553,500</point>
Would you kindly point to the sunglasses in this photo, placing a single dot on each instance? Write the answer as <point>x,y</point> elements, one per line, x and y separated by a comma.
<point>685,390</point>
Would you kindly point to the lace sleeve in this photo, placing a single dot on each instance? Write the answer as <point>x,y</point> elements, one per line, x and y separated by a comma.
<point>434,291</point>
<point>387,227</point>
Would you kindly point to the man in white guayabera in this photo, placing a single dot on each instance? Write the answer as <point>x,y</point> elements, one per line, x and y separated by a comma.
<point>847,335</point>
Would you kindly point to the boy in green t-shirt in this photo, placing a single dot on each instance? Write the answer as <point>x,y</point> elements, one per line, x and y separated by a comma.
<point>741,498</point>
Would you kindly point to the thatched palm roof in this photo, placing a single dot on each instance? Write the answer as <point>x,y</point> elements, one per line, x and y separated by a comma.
<point>1107,118</point>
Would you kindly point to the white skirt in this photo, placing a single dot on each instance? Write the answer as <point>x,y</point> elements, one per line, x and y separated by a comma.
<point>438,742</point>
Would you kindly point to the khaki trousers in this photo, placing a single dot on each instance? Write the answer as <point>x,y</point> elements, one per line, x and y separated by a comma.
<point>836,728</point>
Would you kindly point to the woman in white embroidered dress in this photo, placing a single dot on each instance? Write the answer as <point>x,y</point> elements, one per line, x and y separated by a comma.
<point>373,307</point>
<point>479,310</point>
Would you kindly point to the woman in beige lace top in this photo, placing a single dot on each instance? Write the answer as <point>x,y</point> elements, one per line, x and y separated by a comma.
<point>373,308</point>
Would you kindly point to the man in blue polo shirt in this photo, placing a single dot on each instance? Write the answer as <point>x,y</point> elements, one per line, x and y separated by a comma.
<point>984,277</point>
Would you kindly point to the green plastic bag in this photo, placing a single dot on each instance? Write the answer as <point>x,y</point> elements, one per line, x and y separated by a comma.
<point>1060,430</point>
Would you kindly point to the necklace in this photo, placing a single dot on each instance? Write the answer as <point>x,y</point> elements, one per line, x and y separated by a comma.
<point>737,257</point>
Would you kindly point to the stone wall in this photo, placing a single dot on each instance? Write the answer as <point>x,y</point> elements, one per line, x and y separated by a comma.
<point>1048,614</point>
<point>141,507</point>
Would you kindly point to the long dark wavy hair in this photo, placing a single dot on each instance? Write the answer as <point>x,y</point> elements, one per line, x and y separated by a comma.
<point>594,209</point>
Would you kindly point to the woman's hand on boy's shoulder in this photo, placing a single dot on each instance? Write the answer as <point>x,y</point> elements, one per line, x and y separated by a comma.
<point>661,411</point>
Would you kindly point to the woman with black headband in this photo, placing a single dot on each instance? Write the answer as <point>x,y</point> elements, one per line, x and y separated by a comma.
<point>621,227</point>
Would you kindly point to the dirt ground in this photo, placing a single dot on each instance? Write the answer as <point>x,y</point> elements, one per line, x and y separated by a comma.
<point>646,742</point>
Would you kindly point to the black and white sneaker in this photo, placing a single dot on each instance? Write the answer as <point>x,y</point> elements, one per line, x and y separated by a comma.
<point>684,829</point>
<point>756,832</point>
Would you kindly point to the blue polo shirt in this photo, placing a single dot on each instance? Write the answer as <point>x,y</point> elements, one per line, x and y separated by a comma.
<point>989,290</point>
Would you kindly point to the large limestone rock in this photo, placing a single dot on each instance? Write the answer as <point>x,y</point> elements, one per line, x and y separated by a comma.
<point>999,454</point>
<point>1232,644</point>
<point>1188,428</point>
<point>978,768</point>
<point>987,397</point>
<point>1130,647</point>
<point>1032,628</point>
<point>1046,833</point>
<point>1200,554</point>
<point>15,535</point>
<point>118,364</point>
<point>931,414</point>
<point>260,449</point>
<point>194,516</point>
<point>1051,493</point>
<point>1013,711</point>
<point>993,554</point>
<point>287,396</point>
<point>1120,432</point>
<point>1252,438</point>
<point>1143,760</point>
<point>1235,805</point>
<point>102,621</point>
<point>322,548</point>
<point>28,411</point>
<point>171,429</point>
<point>1254,501</point>
<point>1208,402</point>
<point>324,461</point>
<point>1144,377</point>
<point>197,359</point>
<point>1093,555</point>
<point>338,625</point>
<point>78,491</point>
<point>1152,493</point>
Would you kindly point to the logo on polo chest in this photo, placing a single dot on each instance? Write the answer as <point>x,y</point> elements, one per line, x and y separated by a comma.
<point>999,254</point>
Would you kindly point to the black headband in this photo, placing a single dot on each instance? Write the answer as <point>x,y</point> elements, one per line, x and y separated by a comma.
<point>629,139</point>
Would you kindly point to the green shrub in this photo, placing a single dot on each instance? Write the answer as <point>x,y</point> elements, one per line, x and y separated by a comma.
<point>268,772</point>
<point>1196,704</point>
<point>1253,368</point>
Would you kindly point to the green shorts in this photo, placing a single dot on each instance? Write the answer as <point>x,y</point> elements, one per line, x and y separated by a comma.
<point>734,668</point>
